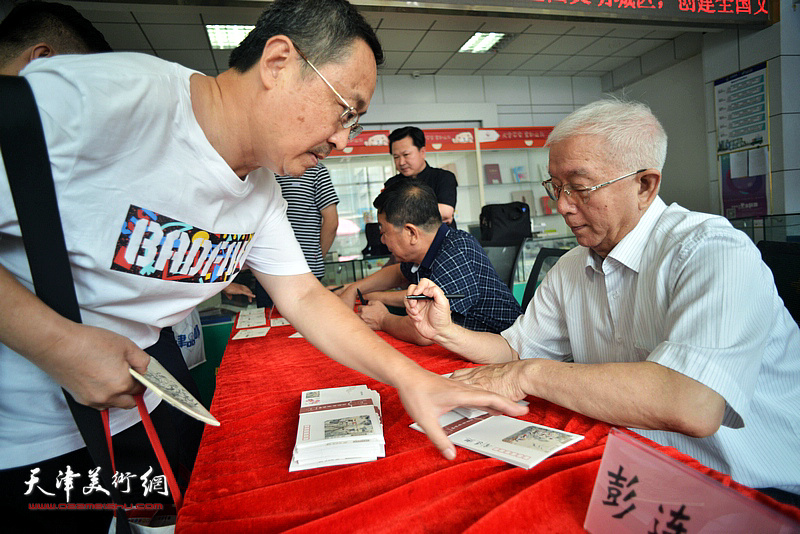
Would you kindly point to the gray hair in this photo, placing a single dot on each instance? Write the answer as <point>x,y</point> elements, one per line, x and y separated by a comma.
<point>634,138</point>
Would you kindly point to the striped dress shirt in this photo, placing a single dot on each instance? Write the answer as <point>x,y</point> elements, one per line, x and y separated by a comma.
<point>687,291</point>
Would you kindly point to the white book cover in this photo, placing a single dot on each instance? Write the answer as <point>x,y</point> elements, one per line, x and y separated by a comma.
<point>515,441</point>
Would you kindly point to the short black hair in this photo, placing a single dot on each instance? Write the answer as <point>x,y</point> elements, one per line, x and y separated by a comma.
<point>323,29</point>
<point>59,25</point>
<point>417,136</point>
<point>409,202</point>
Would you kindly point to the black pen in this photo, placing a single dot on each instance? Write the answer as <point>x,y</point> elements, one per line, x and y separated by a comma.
<point>361,298</point>
<point>426,297</point>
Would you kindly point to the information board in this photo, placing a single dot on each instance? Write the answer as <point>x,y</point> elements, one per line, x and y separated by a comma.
<point>742,109</point>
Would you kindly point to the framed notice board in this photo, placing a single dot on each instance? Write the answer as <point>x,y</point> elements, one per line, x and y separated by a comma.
<point>741,102</point>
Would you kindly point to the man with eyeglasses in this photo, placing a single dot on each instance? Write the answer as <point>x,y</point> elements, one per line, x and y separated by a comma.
<point>688,341</point>
<point>153,169</point>
<point>412,229</point>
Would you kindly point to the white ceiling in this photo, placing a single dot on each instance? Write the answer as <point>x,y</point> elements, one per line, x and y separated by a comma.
<point>415,42</point>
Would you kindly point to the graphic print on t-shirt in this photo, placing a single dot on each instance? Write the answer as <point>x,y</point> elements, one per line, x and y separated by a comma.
<point>156,246</point>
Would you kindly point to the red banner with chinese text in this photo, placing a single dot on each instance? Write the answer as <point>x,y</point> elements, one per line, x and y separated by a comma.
<point>450,140</point>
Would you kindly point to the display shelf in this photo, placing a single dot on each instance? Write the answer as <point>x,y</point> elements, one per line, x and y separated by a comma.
<point>345,270</point>
<point>785,227</point>
<point>359,172</point>
<point>530,249</point>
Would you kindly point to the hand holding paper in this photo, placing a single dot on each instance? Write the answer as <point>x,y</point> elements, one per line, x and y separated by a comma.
<point>165,386</point>
<point>427,396</point>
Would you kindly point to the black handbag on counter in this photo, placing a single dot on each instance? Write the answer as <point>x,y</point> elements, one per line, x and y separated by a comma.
<point>505,224</point>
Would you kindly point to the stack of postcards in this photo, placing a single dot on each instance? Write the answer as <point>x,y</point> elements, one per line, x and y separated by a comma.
<point>338,426</point>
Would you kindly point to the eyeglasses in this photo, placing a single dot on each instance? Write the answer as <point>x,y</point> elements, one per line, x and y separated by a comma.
<point>554,191</point>
<point>349,118</point>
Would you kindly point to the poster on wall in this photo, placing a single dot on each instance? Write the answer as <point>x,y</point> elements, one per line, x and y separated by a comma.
<point>742,109</point>
<point>744,178</point>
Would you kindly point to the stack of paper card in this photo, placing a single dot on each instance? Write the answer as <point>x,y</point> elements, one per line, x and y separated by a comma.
<point>338,426</point>
<point>512,440</point>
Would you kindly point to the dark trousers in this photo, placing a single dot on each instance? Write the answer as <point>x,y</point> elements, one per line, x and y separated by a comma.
<point>134,457</point>
<point>782,496</point>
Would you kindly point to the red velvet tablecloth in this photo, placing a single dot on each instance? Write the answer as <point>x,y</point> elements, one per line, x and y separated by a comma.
<point>241,481</point>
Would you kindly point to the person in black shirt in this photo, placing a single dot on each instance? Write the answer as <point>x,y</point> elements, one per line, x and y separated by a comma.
<point>407,146</point>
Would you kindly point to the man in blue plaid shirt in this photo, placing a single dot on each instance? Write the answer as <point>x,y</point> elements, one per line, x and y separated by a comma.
<point>412,228</point>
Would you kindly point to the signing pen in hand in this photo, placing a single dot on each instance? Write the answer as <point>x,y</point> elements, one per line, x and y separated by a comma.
<point>361,298</point>
<point>426,297</point>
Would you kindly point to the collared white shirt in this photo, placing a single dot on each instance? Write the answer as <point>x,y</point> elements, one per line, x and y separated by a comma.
<point>687,291</point>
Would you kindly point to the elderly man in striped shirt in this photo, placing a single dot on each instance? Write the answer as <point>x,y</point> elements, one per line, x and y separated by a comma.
<point>689,343</point>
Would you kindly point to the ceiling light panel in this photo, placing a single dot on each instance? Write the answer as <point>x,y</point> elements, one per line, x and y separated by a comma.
<point>226,36</point>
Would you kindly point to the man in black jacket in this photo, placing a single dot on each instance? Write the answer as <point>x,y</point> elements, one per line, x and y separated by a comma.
<point>407,146</point>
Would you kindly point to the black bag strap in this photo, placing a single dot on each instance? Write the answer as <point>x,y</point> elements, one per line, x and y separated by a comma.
<point>28,169</point>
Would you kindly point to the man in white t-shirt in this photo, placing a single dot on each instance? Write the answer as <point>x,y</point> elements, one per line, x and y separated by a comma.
<point>663,320</point>
<point>150,162</point>
<point>34,30</point>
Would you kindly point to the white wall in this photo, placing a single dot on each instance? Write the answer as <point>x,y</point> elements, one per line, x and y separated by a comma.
<point>676,97</point>
<point>492,101</point>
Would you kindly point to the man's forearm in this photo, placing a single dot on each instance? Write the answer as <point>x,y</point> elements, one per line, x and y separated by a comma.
<point>347,339</point>
<point>389,298</point>
<point>382,280</point>
<point>92,363</point>
<point>447,212</point>
<point>639,394</point>
<point>28,326</point>
<point>327,231</point>
<point>478,347</point>
<point>403,329</point>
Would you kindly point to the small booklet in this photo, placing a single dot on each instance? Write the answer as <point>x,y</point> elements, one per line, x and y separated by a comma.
<point>338,426</point>
<point>515,441</point>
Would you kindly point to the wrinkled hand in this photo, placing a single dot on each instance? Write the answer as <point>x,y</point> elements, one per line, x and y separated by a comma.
<point>373,314</point>
<point>430,317</point>
<point>348,295</point>
<point>426,396</point>
<point>504,378</point>
<point>93,365</point>
<point>238,289</point>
